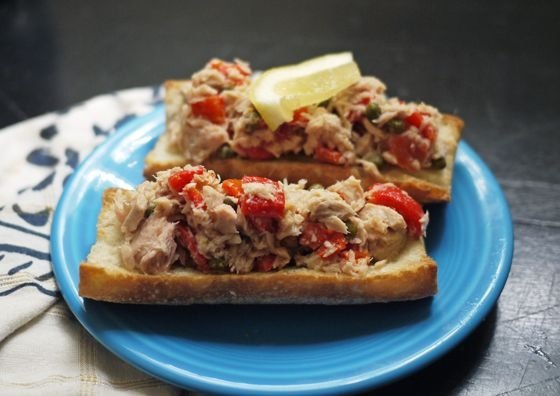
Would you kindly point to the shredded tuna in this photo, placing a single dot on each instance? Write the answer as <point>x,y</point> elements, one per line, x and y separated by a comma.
<point>342,124</point>
<point>152,248</point>
<point>331,226</point>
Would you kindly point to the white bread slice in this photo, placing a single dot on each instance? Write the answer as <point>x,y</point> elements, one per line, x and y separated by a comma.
<point>411,275</point>
<point>427,185</point>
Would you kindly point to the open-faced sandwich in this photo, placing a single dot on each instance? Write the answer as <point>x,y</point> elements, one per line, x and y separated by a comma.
<point>186,238</point>
<point>319,120</point>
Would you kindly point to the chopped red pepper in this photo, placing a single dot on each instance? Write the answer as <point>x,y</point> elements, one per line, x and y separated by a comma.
<point>406,151</point>
<point>212,108</point>
<point>314,236</point>
<point>328,155</point>
<point>399,200</point>
<point>232,187</point>
<point>253,205</point>
<point>429,132</point>
<point>301,115</point>
<point>194,195</point>
<point>415,119</point>
<point>179,180</point>
<point>265,263</point>
<point>187,239</point>
<point>256,153</point>
<point>337,242</point>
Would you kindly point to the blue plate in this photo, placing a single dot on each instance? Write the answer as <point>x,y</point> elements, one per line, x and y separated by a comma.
<point>298,349</point>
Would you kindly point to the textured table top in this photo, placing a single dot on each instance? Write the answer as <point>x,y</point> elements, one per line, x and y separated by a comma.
<point>497,66</point>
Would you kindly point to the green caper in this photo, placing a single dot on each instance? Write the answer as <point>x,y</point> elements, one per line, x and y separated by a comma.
<point>439,163</point>
<point>373,111</point>
<point>395,125</point>
<point>374,157</point>
<point>226,151</point>
<point>352,229</point>
<point>230,202</point>
<point>315,186</point>
<point>218,264</point>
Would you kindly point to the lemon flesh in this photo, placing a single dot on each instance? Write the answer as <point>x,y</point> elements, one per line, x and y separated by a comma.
<point>278,92</point>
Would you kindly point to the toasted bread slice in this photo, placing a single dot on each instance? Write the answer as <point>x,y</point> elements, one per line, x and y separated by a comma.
<point>427,185</point>
<point>411,275</point>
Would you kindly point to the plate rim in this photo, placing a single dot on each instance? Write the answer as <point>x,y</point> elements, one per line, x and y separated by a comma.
<point>348,384</point>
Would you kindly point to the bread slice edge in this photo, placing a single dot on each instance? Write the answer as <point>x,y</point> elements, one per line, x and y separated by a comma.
<point>412,275</point>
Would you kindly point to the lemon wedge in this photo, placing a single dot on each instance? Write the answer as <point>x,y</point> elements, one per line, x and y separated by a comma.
<point>278,92</point>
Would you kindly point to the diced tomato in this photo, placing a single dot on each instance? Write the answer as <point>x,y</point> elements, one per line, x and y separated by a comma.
<point>415,119</point>
<point>328,155</point>
<point>258,206</point>
<point>429,132</point>
<point>194,195</point>
<point>232,187</point>
<point>178,180</point>
<point>399,200</point>
<point>212,108</point>
<point>314,236</point>
<point>256,153</point>
<point>337,242</point>
<point>265,263</point>
<point>407,150</point>
<point>187,239</point>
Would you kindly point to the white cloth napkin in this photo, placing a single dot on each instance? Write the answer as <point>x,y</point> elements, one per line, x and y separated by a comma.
<point>43,349</point>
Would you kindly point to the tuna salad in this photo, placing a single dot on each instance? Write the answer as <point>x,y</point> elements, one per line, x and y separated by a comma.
<point>188,217</point>
<point>212,116</point>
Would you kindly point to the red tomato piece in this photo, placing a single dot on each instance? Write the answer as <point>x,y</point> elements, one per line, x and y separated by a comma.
<point>253,205</point>
<point>179,180</point>
<point>187,239</point>
<point>265,263</point>
<point>415,119</point>
<point>399,200</point>
<point>328,155</point>
<point>406,150</point>
<point>232,187</point>
<point>212,108</point>
<point>256,153</point>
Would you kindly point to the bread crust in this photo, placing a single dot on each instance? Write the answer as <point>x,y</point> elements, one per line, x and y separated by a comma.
<point>425,186</point>
<point>412,275</point>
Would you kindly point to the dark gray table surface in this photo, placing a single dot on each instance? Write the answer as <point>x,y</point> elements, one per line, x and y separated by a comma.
<point>497,65</point>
